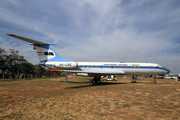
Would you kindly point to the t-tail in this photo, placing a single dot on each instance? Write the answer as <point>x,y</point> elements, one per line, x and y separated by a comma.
<point>44,50</point>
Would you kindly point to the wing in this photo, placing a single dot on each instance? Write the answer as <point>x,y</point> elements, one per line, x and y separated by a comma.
<point>100,72</point>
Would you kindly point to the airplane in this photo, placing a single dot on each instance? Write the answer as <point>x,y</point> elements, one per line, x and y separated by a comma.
<point>51,60</point>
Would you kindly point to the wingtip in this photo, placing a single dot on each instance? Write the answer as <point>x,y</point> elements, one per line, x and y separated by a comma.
<point>10,34</point>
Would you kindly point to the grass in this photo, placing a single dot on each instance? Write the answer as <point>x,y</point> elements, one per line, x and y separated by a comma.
<point>126,105</point>
<point>78,99</point>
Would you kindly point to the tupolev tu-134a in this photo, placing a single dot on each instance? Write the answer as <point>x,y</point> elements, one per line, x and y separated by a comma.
<point>50,59</point>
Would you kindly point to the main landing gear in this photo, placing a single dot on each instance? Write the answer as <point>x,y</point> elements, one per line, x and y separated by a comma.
<point>133,79</point>
<point>96,80</point>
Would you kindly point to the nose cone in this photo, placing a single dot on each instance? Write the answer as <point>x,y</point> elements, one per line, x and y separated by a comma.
<point>167,70</point>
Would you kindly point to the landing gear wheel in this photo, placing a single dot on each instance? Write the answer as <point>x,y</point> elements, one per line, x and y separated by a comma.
<point>93,82</point>
<point>98,81</point>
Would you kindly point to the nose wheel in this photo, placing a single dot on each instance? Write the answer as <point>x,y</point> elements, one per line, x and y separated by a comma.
<point>154,81</point>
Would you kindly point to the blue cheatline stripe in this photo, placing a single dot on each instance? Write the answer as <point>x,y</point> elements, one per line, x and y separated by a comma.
<point>129,67</point>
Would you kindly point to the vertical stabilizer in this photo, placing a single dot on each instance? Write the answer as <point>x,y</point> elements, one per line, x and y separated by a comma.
<point>47,54</point>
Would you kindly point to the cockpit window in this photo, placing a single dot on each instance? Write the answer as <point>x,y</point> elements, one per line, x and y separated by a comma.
<point>159,66</point>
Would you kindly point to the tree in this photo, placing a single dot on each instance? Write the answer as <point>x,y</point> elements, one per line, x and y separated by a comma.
<point>39,70</point>
<point>14,64</point>
<point>28,68</point>
<point>24,67</point>
<point>13,60</point>
<point>3,61</point>
<point>18,64</point>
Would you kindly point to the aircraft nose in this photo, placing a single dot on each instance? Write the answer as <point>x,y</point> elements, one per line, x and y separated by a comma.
<point>168,71</point>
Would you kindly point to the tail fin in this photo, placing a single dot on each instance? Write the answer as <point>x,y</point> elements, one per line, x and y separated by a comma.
<point>44,50</point>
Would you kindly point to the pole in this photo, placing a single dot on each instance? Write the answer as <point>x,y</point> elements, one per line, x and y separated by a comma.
<point>36,71</point>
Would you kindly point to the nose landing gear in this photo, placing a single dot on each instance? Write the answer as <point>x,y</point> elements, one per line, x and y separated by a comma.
<point>154,81</point>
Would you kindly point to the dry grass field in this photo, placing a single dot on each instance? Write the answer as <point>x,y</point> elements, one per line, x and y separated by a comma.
<point>78,99</point>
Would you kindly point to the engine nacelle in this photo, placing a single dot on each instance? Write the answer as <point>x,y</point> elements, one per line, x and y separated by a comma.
<point>66,65</point>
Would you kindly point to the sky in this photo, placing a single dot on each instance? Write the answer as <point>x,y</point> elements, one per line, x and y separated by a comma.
<point>96,30</point>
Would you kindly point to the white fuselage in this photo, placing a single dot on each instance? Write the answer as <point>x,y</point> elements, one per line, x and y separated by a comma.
<point>109,68</point>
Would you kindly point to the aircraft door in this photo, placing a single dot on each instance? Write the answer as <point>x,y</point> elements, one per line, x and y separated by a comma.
<point>151,69</point>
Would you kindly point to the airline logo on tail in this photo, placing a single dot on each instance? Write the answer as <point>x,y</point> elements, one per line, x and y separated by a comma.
<point>49,55</point>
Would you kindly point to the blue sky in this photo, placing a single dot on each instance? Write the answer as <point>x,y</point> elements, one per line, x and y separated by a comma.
<point>96,30</point>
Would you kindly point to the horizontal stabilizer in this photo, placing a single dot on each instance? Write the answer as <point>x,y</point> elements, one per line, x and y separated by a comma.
<point>30,40</point>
